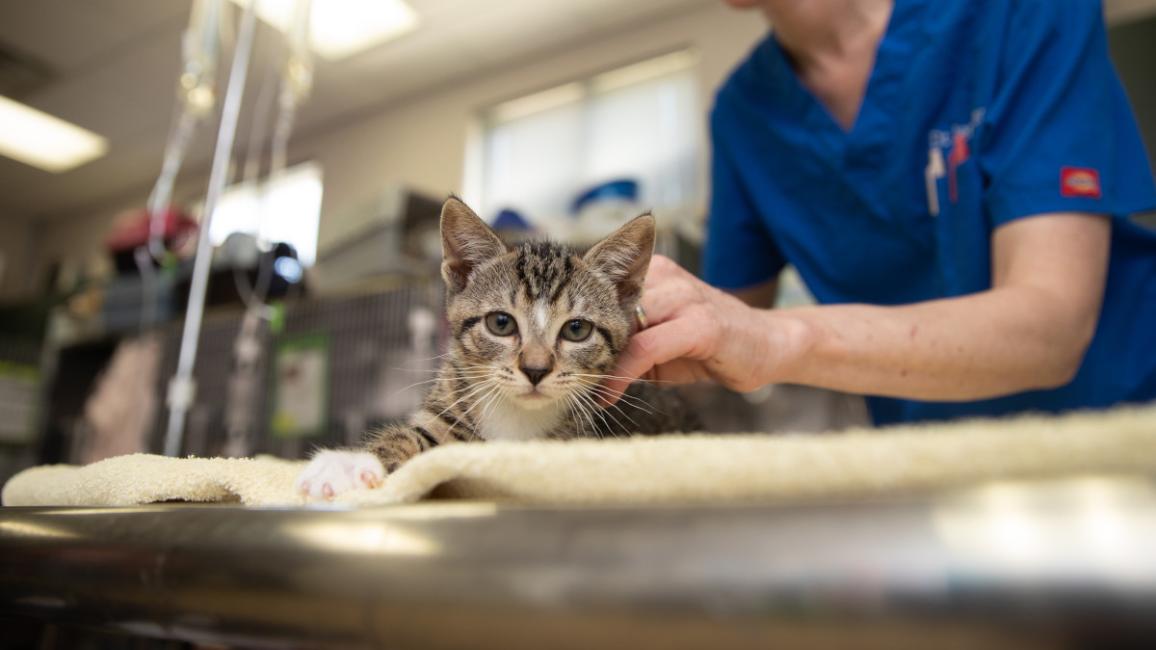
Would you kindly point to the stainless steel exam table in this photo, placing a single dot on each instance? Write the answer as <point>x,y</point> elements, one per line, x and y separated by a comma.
<point>1037,564</point>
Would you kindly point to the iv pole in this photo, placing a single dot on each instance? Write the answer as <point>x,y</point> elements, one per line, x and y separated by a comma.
<point>183,387</point>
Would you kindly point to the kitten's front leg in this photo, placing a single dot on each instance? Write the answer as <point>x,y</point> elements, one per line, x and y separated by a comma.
<point>334,471</point>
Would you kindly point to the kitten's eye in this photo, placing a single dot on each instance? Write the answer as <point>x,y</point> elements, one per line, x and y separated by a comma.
<point>501,324</point>
<point>577,330</point>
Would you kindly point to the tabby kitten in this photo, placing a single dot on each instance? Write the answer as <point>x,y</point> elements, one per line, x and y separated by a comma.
<point>534,329</point>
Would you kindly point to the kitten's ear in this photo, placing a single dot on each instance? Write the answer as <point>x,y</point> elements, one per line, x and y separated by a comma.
<point>624,256</point>
<point>466,243</point>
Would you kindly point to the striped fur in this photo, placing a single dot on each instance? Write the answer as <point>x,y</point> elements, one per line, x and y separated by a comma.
<point>482,393</point>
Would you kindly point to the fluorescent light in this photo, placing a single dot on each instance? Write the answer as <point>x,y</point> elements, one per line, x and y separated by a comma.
<point>41,140</point>
<point>340,28</point>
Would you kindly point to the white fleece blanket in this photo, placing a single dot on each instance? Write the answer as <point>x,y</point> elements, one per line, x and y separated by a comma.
<point>672,469</point>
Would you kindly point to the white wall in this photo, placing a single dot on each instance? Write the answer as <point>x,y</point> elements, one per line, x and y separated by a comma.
<point>422,142</point>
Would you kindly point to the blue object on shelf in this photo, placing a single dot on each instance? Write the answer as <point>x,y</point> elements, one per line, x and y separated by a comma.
<point>510,220</point>
<point>623,189</point>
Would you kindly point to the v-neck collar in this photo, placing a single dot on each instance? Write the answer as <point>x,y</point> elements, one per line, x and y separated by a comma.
<point>874,124</point>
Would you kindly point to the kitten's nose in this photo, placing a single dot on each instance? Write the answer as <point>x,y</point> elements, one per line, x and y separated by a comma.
<point>535,375</point>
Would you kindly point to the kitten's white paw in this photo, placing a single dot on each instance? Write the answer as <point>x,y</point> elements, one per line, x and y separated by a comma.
<point>332,472</point>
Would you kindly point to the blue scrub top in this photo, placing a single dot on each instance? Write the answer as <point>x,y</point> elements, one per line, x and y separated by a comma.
<point>977,113</point>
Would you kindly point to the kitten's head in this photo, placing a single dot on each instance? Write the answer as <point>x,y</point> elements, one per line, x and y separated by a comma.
<point>541,320</point>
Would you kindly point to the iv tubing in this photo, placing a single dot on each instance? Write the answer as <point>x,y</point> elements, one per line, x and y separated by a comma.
<point>295,85</point>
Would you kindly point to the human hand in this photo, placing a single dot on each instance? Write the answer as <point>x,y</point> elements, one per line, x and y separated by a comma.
<point>698,333</point>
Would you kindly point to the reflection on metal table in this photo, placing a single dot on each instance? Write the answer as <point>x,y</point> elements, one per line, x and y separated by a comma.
<point>1037,564</point>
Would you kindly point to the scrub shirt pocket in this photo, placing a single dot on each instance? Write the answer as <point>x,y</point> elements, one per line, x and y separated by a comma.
<point>963,231</point>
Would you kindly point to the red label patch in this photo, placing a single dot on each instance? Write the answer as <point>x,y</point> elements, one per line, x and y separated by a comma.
<point>1080,182</point>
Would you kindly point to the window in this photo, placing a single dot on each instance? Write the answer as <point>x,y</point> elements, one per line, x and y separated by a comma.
<point>286,208</point>
<point>641,121</point>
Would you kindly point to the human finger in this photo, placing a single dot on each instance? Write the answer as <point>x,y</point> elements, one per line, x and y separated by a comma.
<point>655,346</point>
<point>663,301</point>
<point>661,267</point>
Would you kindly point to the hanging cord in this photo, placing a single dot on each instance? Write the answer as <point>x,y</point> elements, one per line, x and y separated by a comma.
<point>182,387</point>
<point>254,298</point>
<point>196,97</point>
<point>251,169</point>
<point>295,85</point>
<point>245,384</point>
<point>245,378</point>
<point>153,252</point>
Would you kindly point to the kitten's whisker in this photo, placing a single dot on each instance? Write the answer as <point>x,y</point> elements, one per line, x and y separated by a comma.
<point>602,414</point>
<point>588,409</point>
<point>439,370</point>
<point>630,379</point>
<point>489,407</point>
<point>435,358</point>
<point>425,368</point>
<point>633,401</point>
<point>587,423</point>
<point>470,392</point>
<point>582,410</point>
<point>420,383</point>
<point>434,380</point>
<point>599,385</point>
<point>574,414</point>
<point>481,400</point>
<point>481,404</point>
<point>450,377</point>
<point>636,403</point>
<point>623,413</point>
<point>620,410</point>
<point>629,430</point>
<point>478,371</point>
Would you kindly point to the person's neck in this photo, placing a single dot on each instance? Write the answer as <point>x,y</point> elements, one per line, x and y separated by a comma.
<point>832,46</point>
<point>815,33</point>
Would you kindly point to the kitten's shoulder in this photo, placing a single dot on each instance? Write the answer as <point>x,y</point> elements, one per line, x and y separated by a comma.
<point>666,410</point>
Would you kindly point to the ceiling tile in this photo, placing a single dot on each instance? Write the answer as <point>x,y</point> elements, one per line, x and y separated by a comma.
<point>116,63</point>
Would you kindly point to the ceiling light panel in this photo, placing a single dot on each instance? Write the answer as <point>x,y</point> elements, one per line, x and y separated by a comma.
<point>342,28</point>
<point>36,138</point>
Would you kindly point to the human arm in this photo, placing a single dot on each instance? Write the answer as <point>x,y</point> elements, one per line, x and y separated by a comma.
<point>760,296</point>
<point>1030,330</point>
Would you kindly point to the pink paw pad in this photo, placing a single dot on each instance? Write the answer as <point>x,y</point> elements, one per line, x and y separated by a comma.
<point>331,473</point>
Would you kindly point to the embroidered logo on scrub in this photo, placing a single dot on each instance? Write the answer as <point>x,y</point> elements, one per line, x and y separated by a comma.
<point>1082,182</point>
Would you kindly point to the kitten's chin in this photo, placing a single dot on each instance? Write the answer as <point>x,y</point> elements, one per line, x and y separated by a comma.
<point>534,400</point>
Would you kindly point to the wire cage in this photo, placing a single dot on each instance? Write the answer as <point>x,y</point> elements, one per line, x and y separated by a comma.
<point>372,353</point>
